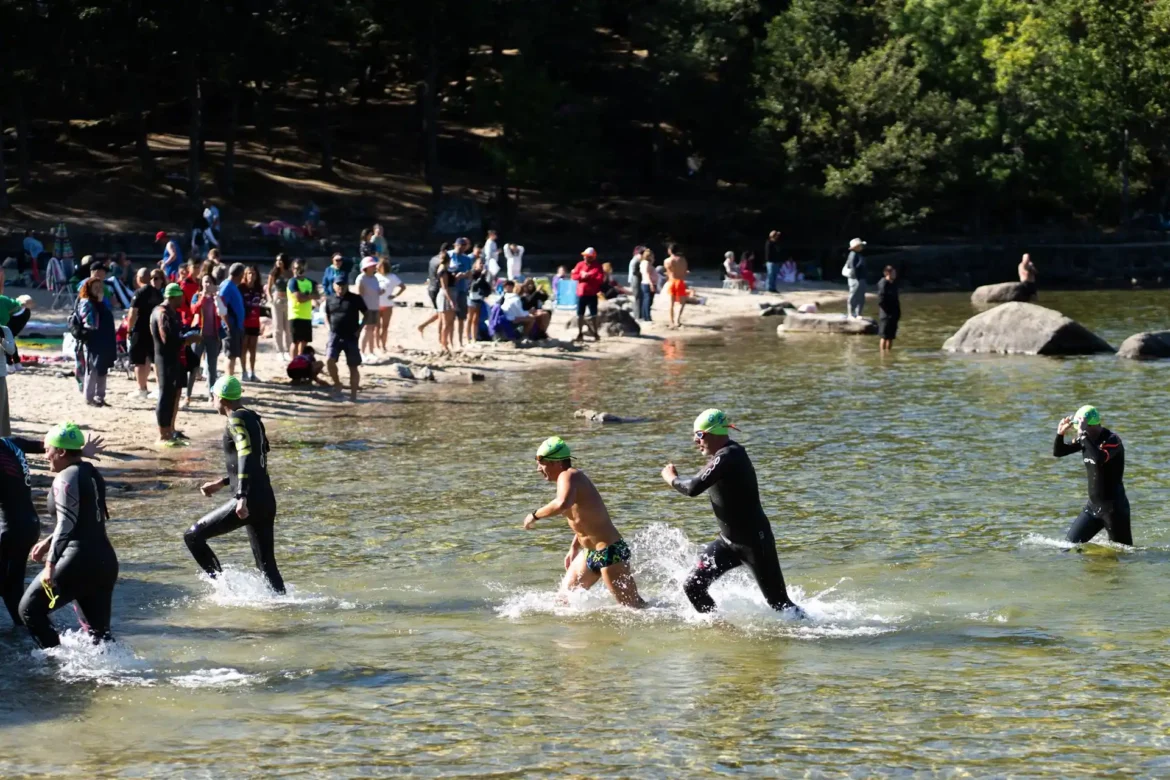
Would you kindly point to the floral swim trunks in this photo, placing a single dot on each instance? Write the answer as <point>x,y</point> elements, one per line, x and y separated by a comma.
<point>618,552</point>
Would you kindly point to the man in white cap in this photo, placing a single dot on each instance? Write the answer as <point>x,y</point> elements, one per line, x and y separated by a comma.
<point>590,277</point>
<point>854,271</point>
<point>371,293</point>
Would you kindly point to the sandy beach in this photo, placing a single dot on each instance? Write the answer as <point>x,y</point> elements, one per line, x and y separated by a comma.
<point>43,395</point>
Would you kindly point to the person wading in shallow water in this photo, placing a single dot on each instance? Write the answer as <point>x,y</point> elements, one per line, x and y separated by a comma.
<point>745,535</point>
<point>1104,457</point>
<point>253,504</point>
<point>598,550</point>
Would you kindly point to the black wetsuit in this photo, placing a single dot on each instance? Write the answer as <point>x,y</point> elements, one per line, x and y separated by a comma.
<point>168,365</point>
<point>1108,505</point>
<point>19,525</point>
<point>245,446</point>
<point>745,535</point>
<point>85,565</point>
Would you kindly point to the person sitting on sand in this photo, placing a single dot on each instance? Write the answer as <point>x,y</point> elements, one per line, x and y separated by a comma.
<point>597,550</point>
<point>747,264</point>
<point>730,269</point>
<point>305,369</point>
<point>789,273</point>
<point>534,299</point>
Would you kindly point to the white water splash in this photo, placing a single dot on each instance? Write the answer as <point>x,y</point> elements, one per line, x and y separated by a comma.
<point>216,678</point>
<point>240,588</point>
<point>662,559</point>
<point>1039,540</point>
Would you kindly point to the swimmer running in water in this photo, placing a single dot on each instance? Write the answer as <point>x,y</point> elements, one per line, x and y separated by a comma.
<point>80,562</point>
<point>1104,457</point>
<point>745,535</point>
<point>598,550</point>
<point>253,504</point>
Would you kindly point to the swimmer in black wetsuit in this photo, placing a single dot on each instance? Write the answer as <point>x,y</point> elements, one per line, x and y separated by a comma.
<point>80,563</point>
<point>1104,457</point>
<point>745,535</point>
<point>19,525</point>
<point>253,506</point>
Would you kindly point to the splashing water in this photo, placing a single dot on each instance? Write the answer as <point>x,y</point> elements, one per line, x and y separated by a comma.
<point>1100,541</point>
<point>662,559</point>
<point>240,588</point>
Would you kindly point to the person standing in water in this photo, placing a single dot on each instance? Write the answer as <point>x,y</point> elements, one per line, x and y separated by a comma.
<point>80,562</point>
<point>1104,456</point>
<point>253,504</point>
<point>889,308</point>
<point>745,535</point>
<point>19,525</point>
<point>598,550</point>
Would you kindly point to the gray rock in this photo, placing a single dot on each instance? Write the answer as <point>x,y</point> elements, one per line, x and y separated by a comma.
<point>776,309</point>
<point>1025,329</point>
<point>1001,293</point>
<point>425,374</point>
<point>1151,345</point>
<point>404,371</point>
<point>795,322</point>
<point>604,417</point>
<point>614,321</point>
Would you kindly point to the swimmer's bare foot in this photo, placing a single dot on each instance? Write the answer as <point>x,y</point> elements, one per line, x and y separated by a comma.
<point>422,329</point>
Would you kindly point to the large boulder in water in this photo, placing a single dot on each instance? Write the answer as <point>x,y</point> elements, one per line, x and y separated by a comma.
<point>796,322</point>
<point>1005,292</point>
<point>613,321</point>
<point>1151,345</point>
<point>1025,329</point>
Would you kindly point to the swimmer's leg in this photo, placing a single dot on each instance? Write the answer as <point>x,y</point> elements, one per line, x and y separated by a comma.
<point>216,523</point>
<point>1084,528</point>
<point>14,549</point>
<point>765,566</point>
<point>621,584</point>
<point>578,575</point>
<point>95,602</point>
<point>715,560</point>
<point>260,534</point>
<point>1118,524</point>
<point>34,613</point>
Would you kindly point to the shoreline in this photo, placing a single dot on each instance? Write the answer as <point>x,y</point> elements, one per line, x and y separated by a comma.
<point>40,396</point>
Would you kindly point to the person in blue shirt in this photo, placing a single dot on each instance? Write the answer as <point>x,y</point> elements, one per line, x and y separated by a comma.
<point>332,274</point>
<point>172,258</point>
<point>233,314</point>
<point>460,269</point>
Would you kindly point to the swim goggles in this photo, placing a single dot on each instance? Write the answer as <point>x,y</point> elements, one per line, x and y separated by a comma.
<point>48,588</point>
<point>699,435</point>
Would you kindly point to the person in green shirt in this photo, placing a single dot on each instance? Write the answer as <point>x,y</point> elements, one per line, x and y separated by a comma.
<point>15,314</point>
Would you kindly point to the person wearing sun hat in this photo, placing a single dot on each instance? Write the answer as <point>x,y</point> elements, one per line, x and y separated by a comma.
<point>80,563</point>
<point>253,503</point>
<point>745,535</point>
<point>854,272</point>
<point>1104,456</point>
<point>597,551</point>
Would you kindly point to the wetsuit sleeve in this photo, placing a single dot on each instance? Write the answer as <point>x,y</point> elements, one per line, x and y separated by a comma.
<point>245,452</point>
<point>699,483</point>
<point>28,445</point>
<point>1060,448</point>
<point>67,501</point>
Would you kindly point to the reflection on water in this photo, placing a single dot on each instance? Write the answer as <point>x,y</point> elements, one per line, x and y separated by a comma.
<point>919,517</point>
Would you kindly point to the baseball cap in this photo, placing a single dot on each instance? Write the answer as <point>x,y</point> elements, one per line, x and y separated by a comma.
<point>160,235</point>
<point>368,262</point>
<point>589,252</point>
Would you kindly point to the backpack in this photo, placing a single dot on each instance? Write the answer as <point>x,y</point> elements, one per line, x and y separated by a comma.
<point>75,325</point>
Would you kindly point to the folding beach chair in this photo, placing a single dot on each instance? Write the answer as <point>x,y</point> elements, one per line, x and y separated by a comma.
<point>566,295</point>
<point>57,282</point>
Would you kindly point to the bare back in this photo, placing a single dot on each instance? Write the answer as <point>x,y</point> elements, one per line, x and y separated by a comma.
<point>676,267</point>
<point>588,518</point>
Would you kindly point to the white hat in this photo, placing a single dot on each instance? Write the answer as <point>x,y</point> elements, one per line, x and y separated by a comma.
<point>729,254</point>
<point>856,242</point>
<point>368,262</point>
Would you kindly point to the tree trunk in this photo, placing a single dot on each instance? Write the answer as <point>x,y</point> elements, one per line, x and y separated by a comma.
<point>22,164</point>
<point>326,138</point>
<point>229,142</point>
<point>3,172</point>
<point>431,118</point>
<point>196,100</point>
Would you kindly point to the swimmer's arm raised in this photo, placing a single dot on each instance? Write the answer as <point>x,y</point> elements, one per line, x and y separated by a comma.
<point>1060,448</point>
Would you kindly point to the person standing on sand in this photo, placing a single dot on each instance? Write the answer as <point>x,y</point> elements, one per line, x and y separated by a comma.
<point>772,260</point>
<point>253,503</point>
<point>381,249</point>
<point>371,294</point>
<point>1027,272</point>
<point>460,268</point>
<point>336,270</point>
<point>890,308</point>
<point>302,292</point>
<point>514,255</point>
<point>344,312</point>
<point>745,535</point>
<point>433,286</point>
<point>649,283</point>
<point>590,278</point>
<point>277,290</point>
<point>390,286</point>
<point>491,255</point>
<point>233,312</point>
<point>854,271</point>
<point>166,329</point>
<point>206,319</point>
<point>172,258</point>
<point>146,298</point>
<point>597,550</point>
<point>676,285</point>
<point>99,344</point>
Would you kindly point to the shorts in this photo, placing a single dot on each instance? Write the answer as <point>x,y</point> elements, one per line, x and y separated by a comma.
<point>371,317</point>
<point>587,302</point>
<point>676,289</point>
<point>233,343</point>
<point>618,552</point>
<point>251,330</point>
<point>443,304</point>
<point>461,306</point>
<point>302,331</point>
<point>336,345</point>
<point>141,349</point>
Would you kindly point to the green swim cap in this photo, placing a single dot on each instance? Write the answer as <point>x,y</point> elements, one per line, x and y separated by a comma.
<point>228,388</point>
<point>1089,414</point>
<point>173,291</point>
<point>65,436</point>
<point>554,448</point>
<point>713,421</point>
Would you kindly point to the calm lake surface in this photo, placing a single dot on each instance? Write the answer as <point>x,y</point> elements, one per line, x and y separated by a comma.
<point>918,513</point>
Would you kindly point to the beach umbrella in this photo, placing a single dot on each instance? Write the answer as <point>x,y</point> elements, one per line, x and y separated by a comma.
<point>62,247</point>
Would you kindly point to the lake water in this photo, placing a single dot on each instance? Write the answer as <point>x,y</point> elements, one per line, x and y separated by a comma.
<point>918,513</point>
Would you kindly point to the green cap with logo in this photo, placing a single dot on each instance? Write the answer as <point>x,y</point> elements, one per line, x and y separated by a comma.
<point>65,436</point>
<point>228,388</point>
<point>173,290</point>
<point>1089,414</point>
<point>713,421</point>
<point>553,448</point>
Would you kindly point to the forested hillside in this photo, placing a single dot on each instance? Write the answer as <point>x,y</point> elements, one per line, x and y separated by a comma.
<point>948,116</point>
